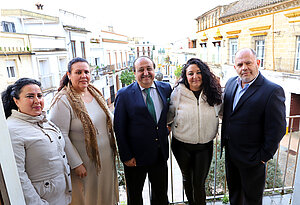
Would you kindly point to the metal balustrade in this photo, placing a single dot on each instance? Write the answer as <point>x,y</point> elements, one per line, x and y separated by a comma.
<point>285,159</point>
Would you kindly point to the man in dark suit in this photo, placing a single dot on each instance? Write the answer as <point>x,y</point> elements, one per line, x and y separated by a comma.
<point>252,127</point>
<point>141,130</point>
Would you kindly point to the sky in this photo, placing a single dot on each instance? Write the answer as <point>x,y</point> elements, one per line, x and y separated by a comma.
<point>156,20</point>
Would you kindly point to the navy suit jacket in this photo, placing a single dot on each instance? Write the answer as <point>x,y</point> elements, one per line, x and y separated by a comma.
<point>257,124</point>
<point>137,134</point>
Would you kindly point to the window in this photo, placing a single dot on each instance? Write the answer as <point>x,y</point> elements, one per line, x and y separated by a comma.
<point>233,43</point>
<point>82,49</point>
<point>260,51</point>
<point>46,77</point>
<point>8,27</point>
<point>103,93</point>
<point>97,61</point>
<point>194,42</point>
<point>112,93</point>
<point>73,48</point>
<point>297,64</point>
<point>62,62</point>
<point>11,68</point>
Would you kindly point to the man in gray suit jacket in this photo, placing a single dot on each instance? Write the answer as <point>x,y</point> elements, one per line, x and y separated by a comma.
<point>252,127</point>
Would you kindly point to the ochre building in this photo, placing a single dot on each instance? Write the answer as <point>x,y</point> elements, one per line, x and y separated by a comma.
<point>271,27</point>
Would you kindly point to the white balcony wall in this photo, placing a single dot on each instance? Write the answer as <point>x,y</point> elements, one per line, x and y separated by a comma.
<point>12,40</point>
<point>41,28</point>
<point>69,18</point>
<point>47,42</point>
<point>114,36</point>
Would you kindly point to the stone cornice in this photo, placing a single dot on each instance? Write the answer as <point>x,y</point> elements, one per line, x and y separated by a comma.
<point>235,36</point>
<point>75,29</point>
<point>113,33</point>
<point>293,14</point>
<point>259,34</point>
<point>113,41</point>
<point>28,15</point>
<point>260,28</point>
<point>233,32</point>
<point>296,21</point>
<point>261,11</point>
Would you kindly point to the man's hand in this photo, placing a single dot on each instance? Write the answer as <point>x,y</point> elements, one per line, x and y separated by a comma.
<point>80,171</point>
<point>130,163</point>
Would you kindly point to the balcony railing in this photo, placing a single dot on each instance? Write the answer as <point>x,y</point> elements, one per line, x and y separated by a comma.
<point>47,81</point>
<point>281,171</point>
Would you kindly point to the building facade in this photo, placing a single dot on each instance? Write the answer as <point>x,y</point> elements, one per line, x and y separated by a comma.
<point>37,45</point>
<point>270,27</point>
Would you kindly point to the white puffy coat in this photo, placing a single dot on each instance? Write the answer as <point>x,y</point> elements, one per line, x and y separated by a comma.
<point>193,120</point>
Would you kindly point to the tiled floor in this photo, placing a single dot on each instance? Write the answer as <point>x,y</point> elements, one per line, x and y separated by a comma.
<point>269,200</point>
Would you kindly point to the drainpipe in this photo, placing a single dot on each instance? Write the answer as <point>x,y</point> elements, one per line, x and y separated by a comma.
<point>23,27</point>
<point>70,45</point>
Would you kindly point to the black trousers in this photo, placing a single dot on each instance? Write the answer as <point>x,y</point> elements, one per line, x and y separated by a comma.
<point>158,177</point>
<point>245,184</point>
<point>194,161</point>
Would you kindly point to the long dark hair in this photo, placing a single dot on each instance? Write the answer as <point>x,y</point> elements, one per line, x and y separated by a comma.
<point>65,80</point>
<point>210,84</point>
<point>13,91</point>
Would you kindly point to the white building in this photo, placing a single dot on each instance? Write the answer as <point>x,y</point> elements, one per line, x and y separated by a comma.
<point>48,53</point>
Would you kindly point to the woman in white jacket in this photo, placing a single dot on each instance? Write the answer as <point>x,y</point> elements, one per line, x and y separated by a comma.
<point>38,145</point>
<point>194,107</point>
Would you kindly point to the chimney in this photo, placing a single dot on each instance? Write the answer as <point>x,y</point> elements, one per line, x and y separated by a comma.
<point>39,6</point>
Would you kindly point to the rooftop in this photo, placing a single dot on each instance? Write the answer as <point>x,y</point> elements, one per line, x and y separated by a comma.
<point>246,5</point>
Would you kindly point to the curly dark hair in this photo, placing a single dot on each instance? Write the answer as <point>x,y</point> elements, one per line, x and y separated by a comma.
<point>13,91</point>
<point>210,83</point>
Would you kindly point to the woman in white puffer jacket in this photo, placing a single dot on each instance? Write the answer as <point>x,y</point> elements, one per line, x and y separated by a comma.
<point>194,109</point>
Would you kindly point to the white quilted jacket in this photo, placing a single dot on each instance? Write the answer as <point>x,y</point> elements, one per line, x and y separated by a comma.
<point>193,121</point>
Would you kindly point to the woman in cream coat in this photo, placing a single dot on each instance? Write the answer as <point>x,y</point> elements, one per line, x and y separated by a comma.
<point>38,145</point>
<point>194,107</point>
